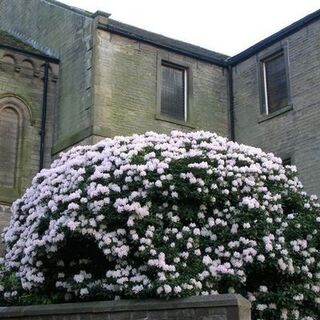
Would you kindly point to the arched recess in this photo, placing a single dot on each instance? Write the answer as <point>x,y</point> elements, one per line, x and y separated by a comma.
<point>8,63</point>
<point>27,68</point>
<point>15,117</point>
<point>9,132</point>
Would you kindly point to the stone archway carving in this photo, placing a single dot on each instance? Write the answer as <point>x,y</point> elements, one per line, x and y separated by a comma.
<point>14,116</point>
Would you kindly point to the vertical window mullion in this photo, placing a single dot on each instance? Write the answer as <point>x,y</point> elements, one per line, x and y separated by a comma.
<point>185,96</point>
<point>275,82</point>
<point>265,87</point>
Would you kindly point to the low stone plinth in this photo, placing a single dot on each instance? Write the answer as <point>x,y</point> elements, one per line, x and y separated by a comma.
<point>218,307</point>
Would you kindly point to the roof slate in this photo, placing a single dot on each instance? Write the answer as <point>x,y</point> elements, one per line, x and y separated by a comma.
<point>164,42</point>
<point>12,42</point>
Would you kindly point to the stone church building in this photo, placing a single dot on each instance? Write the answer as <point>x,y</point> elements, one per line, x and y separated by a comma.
<point>70,77</point>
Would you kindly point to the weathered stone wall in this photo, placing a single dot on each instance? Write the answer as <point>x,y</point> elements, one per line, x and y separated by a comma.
<point>294,133</point>
<point>125,71</point>
<point>21,94</point>
<point>5,215</point>
<point>68,35</point>
<point>219,307</point>
<point>125,89</point>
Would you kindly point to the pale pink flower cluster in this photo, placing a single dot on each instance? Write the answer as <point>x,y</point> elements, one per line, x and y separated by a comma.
<point>172,215</point>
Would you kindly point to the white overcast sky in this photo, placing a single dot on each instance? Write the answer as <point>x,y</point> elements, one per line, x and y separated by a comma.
<point>228,26</point>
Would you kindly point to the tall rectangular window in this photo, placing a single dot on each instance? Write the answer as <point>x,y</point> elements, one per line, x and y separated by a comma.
<point>173,91</point>
<point>275,82</point>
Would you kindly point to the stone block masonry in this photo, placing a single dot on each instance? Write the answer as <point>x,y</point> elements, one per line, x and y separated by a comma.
<point>21,107</point>
<point>69,35</point>
<point>5,215</point>
<point>219,307</point>
<point>294,133</point>
<point>127,89</point>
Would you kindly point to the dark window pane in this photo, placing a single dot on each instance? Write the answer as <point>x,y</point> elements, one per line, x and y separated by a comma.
<point>172,92</point>
<point>277,89</point>
<point>286,162</point>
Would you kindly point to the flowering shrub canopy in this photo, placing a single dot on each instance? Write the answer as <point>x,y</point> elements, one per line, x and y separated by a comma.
<point>168,216</point>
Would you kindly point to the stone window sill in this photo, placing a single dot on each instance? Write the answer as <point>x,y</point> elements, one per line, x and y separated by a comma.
<point>272,115</point>
<point>175,121</point>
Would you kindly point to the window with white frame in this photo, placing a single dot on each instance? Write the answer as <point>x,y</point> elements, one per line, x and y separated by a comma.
<point>275,82</point>
<point>173,91</point>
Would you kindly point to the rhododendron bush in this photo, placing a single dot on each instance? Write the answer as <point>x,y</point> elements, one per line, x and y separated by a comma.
<point>159,215</point>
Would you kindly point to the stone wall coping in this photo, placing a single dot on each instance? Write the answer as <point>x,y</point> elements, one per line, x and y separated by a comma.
<point>221,300</point>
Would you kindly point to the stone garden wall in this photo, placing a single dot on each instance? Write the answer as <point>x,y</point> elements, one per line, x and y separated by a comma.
<point>220,307</point>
